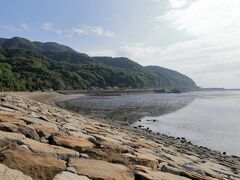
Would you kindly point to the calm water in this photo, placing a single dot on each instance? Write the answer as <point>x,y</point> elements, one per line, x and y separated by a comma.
<point>212,120</point>
<point>209,119</point>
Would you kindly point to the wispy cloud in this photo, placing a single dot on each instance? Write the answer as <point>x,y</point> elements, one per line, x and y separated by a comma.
<point>20,27</point>
<point>204,17</point>
<point>93,31</point>
<point>178,3</point>
<point>48,26</point>
<point>174,4</point>
<point>214,45</point>
<point>82,30</point>
<point>208,65</point>
<point>25,26</point>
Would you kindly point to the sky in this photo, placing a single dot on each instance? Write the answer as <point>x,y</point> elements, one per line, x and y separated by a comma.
<point>200,38</point>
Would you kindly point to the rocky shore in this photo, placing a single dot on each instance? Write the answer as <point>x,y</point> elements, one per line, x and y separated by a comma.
<point>42,141</point>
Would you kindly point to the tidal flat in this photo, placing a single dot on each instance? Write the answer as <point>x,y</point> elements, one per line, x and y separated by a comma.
<point>209,118</point>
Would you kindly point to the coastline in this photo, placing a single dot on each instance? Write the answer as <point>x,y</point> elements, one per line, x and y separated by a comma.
<point>52,98</point>
<point>137,147</point>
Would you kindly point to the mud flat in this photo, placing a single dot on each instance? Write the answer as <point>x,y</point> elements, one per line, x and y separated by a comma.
<point>58,144</point>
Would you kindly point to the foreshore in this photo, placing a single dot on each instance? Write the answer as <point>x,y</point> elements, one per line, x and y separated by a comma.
<point>76,146</point>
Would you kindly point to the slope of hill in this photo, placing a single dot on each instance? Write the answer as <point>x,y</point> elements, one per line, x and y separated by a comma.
<point>170,79</point>
<point>173,78</point>
<point>27,65</point>
<point>20,43</point>
<point>119,62</point>
<point>51,50</point>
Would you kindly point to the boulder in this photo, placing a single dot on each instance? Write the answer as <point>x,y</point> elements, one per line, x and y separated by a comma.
<point>97,169</point>
<point>69,176</point>
<point>28,132</point>
<point>148,160</point>
<point>55,151</point>
<point>11,136</point>
<point>144,173</point>
<point>21,128</point>
<point>7,109</point>
<point>78,144</point>
<point>109,155</point>
<point>43,131</point>
<point>12,174</point>
<point>9,117</point>
<point>81,135</point>
<point>31,120</point>
<point>39,167</point>
<point>5,126</point>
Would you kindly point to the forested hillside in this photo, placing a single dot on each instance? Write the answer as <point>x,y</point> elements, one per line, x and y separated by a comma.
<point>26,65</point>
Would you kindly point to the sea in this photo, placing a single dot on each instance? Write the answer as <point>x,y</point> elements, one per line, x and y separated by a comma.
<point>206,118</point>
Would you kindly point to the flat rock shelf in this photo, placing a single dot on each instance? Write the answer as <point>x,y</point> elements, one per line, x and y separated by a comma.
<point>57,144</point>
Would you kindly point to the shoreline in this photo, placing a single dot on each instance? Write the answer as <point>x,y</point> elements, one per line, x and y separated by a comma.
<point>184,156</point>
<point>140,129</point>
<point>52,98</point>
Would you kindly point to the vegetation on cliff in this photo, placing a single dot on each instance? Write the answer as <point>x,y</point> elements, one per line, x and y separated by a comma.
<point>26,65</point>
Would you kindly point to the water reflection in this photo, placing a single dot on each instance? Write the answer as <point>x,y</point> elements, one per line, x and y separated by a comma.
<point>129,108</point>
<point>212,120</point>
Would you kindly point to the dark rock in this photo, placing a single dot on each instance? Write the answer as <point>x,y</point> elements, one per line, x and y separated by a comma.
<point>20,128</point>
<point>28,132</point>
<point>235,156</point>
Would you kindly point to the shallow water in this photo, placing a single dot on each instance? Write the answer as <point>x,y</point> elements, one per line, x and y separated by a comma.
<point>209,119</point>
<point>212,120</point>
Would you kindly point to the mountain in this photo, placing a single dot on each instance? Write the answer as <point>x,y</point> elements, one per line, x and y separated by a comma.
<point>170,79</point>
<point>173,78</point>
<point>119,62</point>
<point>51,50</point>
<point>29,65</point>
<point>22,43</point>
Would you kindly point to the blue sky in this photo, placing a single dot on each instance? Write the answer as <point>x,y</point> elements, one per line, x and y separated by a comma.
<point>200,38</point>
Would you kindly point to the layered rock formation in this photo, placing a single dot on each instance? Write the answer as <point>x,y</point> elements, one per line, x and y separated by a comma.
<point>39,141</point>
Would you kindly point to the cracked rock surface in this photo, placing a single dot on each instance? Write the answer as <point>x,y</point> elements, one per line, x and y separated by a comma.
<point>44,142</point>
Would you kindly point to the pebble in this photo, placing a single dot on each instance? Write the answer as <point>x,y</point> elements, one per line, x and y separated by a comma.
<point>84,155</point>
<point>162,165</point>
<point>72,170</point>
<point>33,114</point>
<point>24,147</point>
